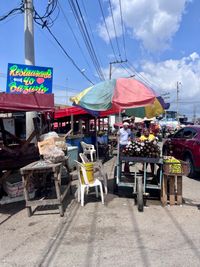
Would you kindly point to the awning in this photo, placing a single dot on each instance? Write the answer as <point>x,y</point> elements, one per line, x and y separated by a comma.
<point>29,102</point>
<point>66,112</point>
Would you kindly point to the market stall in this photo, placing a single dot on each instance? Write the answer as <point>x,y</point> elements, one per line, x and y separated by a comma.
<point>14,151</point>
<point>123,94</point>
<point>137,177</point>
<point>85,127</point>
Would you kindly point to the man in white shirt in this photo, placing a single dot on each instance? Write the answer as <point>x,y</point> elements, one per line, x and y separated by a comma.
<point>124,135</point>
<point>124,138</point>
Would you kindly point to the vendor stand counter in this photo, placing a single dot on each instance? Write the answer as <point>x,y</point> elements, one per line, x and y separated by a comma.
<point>138,182</point>
<point>42,167</point>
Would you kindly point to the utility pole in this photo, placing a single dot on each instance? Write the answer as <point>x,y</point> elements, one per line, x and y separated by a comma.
<point>177,99</point>
<point>29,54</point>
<point>115,62</point>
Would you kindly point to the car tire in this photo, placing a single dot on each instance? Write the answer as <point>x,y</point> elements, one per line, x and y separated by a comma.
<point>191,166</point>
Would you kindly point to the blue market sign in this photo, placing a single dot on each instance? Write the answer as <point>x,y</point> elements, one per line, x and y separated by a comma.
<point>25,79</point>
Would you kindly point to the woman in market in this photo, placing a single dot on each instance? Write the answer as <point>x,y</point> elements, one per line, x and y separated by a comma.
<point>147,136</point>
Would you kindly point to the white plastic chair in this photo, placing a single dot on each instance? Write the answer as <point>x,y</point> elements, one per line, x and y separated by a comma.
<point>89,149</point>
<point>85,184</point>
<point>98,166</point>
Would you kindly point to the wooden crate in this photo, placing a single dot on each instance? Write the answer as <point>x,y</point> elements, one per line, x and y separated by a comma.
<point>169,168</point>
<point>171,190</point>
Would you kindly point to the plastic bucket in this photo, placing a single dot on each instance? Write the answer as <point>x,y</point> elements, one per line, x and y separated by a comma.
<point>89,167</point>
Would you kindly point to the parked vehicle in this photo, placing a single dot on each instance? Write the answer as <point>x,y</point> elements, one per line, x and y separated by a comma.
<point>185,145</point>
<point>169,123</point>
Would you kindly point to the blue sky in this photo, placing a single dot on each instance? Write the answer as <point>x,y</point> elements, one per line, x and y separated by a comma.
<point>162,44</point>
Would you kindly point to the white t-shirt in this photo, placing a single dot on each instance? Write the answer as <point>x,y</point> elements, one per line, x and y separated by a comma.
<point>123,136</point>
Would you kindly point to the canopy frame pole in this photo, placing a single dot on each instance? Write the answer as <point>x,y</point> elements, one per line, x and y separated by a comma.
<point>97,145</point>
<point>118,151</point>
<point>72,124</point>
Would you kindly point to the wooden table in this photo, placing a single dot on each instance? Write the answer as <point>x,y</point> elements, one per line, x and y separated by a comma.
<point>42,167</point>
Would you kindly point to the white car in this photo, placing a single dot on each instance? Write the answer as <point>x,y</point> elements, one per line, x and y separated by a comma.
<point>169,123</point>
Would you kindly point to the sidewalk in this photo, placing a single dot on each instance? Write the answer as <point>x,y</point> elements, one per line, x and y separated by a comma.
<point>114,234</point>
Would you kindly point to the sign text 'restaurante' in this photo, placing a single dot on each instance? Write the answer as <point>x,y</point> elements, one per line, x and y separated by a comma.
<point>24,79</point>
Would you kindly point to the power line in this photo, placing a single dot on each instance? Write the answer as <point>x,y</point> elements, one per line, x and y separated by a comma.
<point>86,37</point>
<point>47,16</point>
<point>64,51</point>
<point>14,11</point>
<point>144,79</point>
<point>140,76</point>
<point>114,29</point>
<point>90,42</point>
<point>75,38</point>
<point>123,32</point>
<point>126,70</point>
<point>86,15</point>
<point>101,8</point>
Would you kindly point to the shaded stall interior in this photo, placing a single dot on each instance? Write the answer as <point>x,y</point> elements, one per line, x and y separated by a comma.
<point>15,150</point>
<point>85,127</point>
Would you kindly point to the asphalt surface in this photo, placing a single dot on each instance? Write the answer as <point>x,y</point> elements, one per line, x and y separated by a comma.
<point>114,234</point>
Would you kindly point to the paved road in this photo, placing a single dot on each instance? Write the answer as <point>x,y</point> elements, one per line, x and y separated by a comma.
<point>115,234</point>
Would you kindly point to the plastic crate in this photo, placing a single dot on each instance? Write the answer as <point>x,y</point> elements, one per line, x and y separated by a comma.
<point>13,186</point>
<point>176,168</point>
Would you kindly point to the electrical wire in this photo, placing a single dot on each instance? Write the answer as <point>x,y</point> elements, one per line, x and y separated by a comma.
<point>86,38</point>
<point>141,77</point>
<point>127,70</point>
<point>123,31</point>
<point>75,38</point>
<point>15,11</point>
<point>47,16</point>
<point>114,29</point>
<point>91,31</point>
<point>84,32</point>
<point>104,19</point>
<point>62,48</point>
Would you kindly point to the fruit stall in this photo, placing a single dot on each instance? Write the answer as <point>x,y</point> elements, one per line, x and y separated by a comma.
<point>142,154</point>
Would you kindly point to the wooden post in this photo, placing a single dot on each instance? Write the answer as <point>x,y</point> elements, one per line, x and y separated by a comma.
<point>172,189</point>
<point>164,190</point>
<point>179,190</point>
<point>3,132</point>
<point>25,179</point>
<point>57,181</point>
<point>80,127</point>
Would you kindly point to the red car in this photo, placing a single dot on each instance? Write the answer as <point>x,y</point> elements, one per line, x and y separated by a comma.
<point>185,145</point>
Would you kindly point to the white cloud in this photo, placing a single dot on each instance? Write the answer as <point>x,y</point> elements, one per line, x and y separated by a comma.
<point>164,75</point>
<point>152,22</point>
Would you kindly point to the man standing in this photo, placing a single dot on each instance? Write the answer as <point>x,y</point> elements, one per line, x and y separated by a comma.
<point>124,138</point>
<point>124,135</point>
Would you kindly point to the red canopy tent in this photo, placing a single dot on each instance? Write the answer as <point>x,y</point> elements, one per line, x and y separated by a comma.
<point>29,102</point>
<point>60,113</point>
